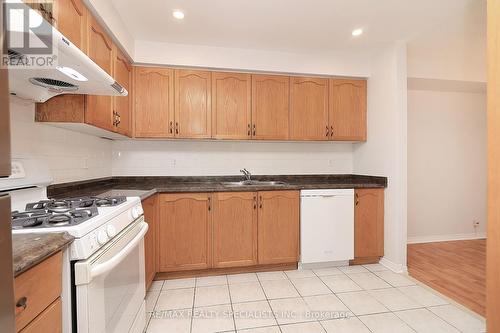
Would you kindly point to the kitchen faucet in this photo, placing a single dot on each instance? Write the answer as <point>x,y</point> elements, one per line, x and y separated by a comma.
<point>247,174</point>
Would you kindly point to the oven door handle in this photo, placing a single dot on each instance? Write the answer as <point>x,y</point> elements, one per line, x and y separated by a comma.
<point>85,271</point>
<point>111,263</point>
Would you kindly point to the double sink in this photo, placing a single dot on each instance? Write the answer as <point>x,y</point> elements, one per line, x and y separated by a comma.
<point>254,183</point>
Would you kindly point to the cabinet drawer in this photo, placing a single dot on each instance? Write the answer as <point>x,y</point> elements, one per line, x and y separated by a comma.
<point>49,320</point>
<point>37,288</point>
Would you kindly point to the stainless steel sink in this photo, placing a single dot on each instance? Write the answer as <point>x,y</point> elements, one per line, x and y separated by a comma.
<point>253,183</point>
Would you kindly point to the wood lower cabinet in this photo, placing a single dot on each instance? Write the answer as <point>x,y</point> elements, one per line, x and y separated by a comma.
<point>154,102</point>
<point>231,106</point>
<point>185,232</point>
<point>234,229</point>
<point>309,109</point>
<point>278,228</point>
<point>368,225</point>
<point>270,101</point>
<point>348,110</point>
<point>150,206</point>
<point>193,104</point>
<point>37,297</point>
<point>50,320</point>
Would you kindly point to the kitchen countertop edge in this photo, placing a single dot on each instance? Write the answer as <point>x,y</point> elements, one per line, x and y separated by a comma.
<point>30,249</point>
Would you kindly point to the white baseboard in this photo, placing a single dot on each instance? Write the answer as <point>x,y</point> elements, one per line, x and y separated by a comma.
<point>396,268</point>
<point>444,238</point>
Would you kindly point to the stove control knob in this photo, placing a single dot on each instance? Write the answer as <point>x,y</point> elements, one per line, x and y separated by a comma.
<point>111,231</point>
<point>140,210</point>
<point>135,213</point>
<point>102,237</point>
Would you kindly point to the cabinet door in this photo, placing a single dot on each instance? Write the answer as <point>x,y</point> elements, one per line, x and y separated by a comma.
<point>185,232</point>
<point>150,206</point>
<point>99,109</point>
<point>235,229</point>
<point>192,104</point>
<point>72,21</point>
<point>231,106</point>
<point>270,107</point>
<point>278,227</point>
<point>122,104</point>
<point>369,223</point>
<point>50,320</point>
<point>309,109</point>
<point>154,102</point>
<point>348,110</point>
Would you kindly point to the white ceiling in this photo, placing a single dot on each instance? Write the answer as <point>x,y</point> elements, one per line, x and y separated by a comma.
<point>285,25</point>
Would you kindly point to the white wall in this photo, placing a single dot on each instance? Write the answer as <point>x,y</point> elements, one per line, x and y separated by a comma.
<point>446,165</point>
<point>197,158</point>
<point>384,153</point>
<point>70,156</point>
<point>456,50</point>
<point>353,63</point>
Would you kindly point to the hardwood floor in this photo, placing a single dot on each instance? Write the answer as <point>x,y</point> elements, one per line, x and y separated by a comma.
<point>456,269</point>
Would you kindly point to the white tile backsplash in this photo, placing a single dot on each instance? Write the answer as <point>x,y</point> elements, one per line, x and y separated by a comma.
<point>193,158</point>
<point>69,155</point>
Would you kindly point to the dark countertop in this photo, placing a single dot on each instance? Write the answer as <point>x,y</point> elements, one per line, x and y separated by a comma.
<point>145,187</point>
<point>31,249</point>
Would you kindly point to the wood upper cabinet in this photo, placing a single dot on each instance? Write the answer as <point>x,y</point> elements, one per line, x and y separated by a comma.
<point>151,211</point>
<point>122,107</point>
<point>71,21</point>
<point>278,227</point>
<point>153,102</point>
<point>369,224</point>
<point>270,102</point>
<point>193,104</point>
<point>348,109</point>
<point>99,109</point>
<point>231,106</point>
<point>185,232</point>
<point>309,109</point>
<point>234,229</point>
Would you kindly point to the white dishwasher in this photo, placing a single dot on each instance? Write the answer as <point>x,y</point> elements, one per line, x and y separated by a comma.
<point>326,226</point>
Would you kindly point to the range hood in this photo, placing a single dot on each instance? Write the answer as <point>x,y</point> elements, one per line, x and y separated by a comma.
<point>71,72</point>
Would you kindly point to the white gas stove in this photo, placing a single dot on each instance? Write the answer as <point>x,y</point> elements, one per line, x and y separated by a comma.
<point>103,268</point>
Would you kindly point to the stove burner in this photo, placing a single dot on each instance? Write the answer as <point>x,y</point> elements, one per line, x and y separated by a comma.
<point>62,212</point>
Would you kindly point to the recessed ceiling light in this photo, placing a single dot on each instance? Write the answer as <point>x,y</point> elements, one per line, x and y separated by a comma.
<point>357,32</point>
<point>178,14</point>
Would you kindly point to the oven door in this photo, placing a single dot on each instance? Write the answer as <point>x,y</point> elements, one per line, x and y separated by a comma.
<point>110,285</point>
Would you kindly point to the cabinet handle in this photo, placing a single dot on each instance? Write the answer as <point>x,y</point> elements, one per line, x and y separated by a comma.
<point>114,118</point>
<point>255,202</point>
<point>331,130</point>
<point>260,205</point>
<point>254,130</point>
<point>118,119</point>
<point>209,203</point>
<point>249,130</point>
<point>171,127</point>
<point>176,128</point>
<point>357,199</point>
<point>22,303</point>
<point>327,131</point>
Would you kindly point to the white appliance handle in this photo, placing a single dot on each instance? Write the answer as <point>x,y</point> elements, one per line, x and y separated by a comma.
<point>111,263</point>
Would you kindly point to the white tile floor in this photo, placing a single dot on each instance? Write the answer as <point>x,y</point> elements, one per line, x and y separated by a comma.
<point>355,299</point>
